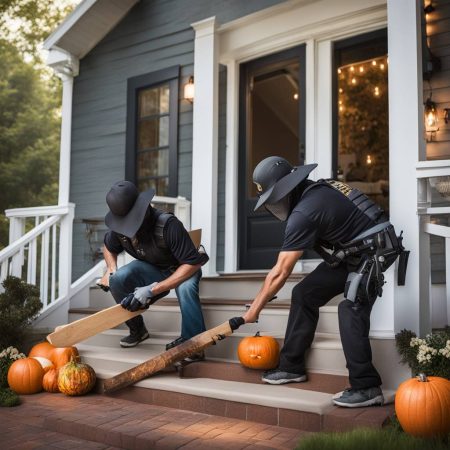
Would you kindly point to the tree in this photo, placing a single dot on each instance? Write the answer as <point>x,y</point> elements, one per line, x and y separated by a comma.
<point>29,136</point>
<point>29,106</point>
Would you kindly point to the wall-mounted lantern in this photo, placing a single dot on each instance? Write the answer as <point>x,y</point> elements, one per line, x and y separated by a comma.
<point>189,90</point>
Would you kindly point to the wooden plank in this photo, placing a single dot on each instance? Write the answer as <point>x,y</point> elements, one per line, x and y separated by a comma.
<point>80,330</point>
<point>194,345</point>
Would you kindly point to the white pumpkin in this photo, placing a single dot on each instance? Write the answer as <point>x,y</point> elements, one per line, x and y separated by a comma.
<point>44,362</point>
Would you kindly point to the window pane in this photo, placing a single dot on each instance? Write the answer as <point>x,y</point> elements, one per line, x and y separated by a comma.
<point>161,185</point>
<point>363,139</point>
<point>153,163</point>
<point>153,133</point>
<point>154,101</point>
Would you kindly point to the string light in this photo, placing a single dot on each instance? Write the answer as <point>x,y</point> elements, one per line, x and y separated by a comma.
<point>352,69</point>
<point>353,80</point>
<point>341,90</point>
<point>295,96</point>
<point>361,69</point>
<point>374,63</point>
<point>369,160</point>
<point>376,91</point>
<point>339,71</point>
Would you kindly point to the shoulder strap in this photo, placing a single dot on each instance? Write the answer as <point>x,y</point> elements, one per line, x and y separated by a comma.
<point>160,223</point>
<point>358,198</point>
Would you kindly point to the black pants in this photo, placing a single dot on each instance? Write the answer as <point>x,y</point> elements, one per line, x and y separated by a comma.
<point>317,289</point>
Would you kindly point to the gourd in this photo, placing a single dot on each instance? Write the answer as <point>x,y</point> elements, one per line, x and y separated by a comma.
<point>259,352</point>
<point>76,378</point>
<point>422,405</point>
<point>25,376</point>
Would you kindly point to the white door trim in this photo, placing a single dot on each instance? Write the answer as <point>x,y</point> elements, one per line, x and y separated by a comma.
<point>316,24</point>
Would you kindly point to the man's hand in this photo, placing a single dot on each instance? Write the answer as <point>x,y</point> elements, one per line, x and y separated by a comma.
<point>250,316</point>
<point>139,299</point>
<point>103,282</point>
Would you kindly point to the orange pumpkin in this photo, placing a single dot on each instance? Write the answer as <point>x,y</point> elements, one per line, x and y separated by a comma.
<point>50,381</point>
<point>43,349</point>
<point>44,362</point>
<point>259,352</point>
<point>63,355</point>
<point>76,378</point>
<point>25,376</point>
<point>422,405</point>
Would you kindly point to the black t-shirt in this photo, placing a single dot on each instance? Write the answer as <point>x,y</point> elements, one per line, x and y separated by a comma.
<point>176,238</point>
<point>323,215</point>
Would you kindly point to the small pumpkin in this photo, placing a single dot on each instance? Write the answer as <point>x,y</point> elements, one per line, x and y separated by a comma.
<point>25,376</point>
<point>44,362</point>
<point>63,355</point>
<point>422,405</point>
<point>259,352</point>
<point>76,378</point>
<point>43,349</point>
<point>50,381</point>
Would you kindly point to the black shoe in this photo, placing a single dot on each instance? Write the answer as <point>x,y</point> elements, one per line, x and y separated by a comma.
<point>356,398</point>
<point>174,343</point>
<point>133,339</point>
<point>200,356</point>
<point>277,376</point>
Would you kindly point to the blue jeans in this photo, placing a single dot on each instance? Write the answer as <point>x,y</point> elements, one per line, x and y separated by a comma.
<point>140,273</point>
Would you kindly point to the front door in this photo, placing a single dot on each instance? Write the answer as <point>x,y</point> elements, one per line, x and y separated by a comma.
<point>272,123</point>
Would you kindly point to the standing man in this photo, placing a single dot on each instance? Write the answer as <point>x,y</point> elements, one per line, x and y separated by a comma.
<point>165,259</point>
<point>357,243</point>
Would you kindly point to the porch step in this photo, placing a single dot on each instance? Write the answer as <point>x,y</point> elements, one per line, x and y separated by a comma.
<point>325,355</point>
<point>166,315</point>
<point>237,372</point>
<point>273,405</point>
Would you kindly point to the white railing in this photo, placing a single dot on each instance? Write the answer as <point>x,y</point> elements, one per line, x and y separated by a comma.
<point>434,190</point>
<point>40,250</point>
<point>180,206</point>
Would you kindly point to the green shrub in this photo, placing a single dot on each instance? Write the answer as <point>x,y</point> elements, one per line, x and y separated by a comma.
<point>19,305</point>
<point>368,439</point>
<point>8,397</point>
<point>430,355</point>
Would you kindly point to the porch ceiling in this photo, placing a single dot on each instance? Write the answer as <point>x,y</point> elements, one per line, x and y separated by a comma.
<point>87,25</point>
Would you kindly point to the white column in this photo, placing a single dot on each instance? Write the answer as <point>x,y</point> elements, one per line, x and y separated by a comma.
<point>231,185</point>
<point>310,150</point>
<point>406,147</point>
<point>66,136</point>
<point>65,252</point>
<point>66,67</point>
<point>205,145</point>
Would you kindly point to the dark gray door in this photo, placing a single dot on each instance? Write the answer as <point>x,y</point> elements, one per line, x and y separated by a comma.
<point>271,122</point>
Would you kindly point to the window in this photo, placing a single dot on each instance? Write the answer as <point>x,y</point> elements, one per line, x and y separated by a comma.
<point>361,126</point>
<point>152,130</point>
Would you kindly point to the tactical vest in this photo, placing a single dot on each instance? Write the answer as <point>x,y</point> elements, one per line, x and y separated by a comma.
<point>151,246</point>
<point>360,200</point>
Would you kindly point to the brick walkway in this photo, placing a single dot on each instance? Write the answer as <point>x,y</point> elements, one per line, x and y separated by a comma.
<point>53,421</point>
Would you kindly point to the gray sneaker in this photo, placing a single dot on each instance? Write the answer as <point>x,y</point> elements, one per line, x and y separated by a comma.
<point>356,398</point>
<point>276,376</point>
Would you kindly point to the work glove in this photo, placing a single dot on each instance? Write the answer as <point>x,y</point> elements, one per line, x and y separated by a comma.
<point>141,298</point>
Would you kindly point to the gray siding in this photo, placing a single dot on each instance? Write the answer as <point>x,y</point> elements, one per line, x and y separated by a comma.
<point>156,34</point>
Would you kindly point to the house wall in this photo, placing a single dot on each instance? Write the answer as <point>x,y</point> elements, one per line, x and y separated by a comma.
<point>156,34</point>
<point>438,32</point>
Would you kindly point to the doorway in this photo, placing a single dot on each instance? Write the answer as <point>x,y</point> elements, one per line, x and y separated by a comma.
<point>271,123</point>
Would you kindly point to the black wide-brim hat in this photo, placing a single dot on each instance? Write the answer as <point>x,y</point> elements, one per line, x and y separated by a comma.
<point>271,172</point>
<point>127,208</point>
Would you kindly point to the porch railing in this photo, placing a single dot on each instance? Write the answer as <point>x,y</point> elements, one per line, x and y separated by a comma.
<point>40,250</point>
<point>434,208</point>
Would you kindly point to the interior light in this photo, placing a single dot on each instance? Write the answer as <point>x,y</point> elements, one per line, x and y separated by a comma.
<point>296,96</point>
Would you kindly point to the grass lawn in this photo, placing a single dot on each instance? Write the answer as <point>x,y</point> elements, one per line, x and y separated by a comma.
<point>369,439</point>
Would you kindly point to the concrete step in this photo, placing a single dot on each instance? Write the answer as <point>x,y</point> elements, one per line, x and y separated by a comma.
<point>165,315</point>
<point>325,355</point>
